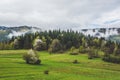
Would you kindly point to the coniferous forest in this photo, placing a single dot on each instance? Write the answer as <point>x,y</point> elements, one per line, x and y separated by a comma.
<point>57,41</point>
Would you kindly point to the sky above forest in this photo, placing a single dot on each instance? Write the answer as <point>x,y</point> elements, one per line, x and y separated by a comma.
<point>62,14</point>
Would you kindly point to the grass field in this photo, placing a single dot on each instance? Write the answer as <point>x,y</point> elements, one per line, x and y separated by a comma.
<point>60,66</point>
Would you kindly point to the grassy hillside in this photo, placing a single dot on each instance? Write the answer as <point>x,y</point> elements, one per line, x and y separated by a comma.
<point>13,67</point>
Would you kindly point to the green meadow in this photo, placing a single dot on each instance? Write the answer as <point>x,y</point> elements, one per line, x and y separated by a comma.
<point>60,67</point>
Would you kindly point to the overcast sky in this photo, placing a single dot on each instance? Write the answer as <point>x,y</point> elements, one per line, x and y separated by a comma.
<point>58,13</point>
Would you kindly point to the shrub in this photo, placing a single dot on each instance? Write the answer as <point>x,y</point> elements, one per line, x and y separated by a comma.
<point>50,50</point>
<point>117,52</point>
<point>61,51</point>
<point>90,55</point>
<point>55,46</point>
<point>38,61</point>
<point>46,72</point>
<point>73,53</point>
<point>82,49</point>
<point>93,53</point>
<point>72,49</point>
<point>96,54</point>
<point>107,51</point>
<point>112,58</point>
<point>39,44</point>
<point>31,57</point>
<point>75,61</point>
<point>16,44</point>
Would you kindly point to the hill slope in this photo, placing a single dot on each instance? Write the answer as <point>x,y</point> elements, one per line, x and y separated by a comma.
<point>60,66</point>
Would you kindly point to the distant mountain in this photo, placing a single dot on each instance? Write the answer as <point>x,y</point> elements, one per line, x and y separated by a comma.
<point>112,34</point>
<point>109,30</point>
<point>7,32</point>
<point>108,33</point>
<point>101,32</point>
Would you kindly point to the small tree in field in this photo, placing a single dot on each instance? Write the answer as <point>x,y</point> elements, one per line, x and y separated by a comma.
<point>16,44</point>
<point>39,44</point>
<point>72,49</point>
<point>31,57</point>
<point>93,53</point>
<point>73,52</point>
<point>55,46</point>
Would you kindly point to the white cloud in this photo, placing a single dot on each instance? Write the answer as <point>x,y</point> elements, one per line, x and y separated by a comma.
<point>108,16</point>
<point>57,12</point>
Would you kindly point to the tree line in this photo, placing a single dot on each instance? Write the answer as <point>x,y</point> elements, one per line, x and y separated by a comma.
<point>59,41</point>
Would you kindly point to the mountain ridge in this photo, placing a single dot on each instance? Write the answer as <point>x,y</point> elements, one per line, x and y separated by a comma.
<point>8,32</point>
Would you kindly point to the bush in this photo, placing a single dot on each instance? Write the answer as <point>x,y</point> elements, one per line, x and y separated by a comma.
<point>90,55</point>
<point>50,50</point>
<point>61,51</point>
<point>55,46</point>
<point>108,51</point>
<point>72,49</point>
<point>73,53</point>
<point>31,57</point>
<point>93,53</point>
<point>16,44</point>
<point>46,72</point>
<point>75,61</point>
<point>39,45</point>
<point>82,49</point>
<point>112,58</point>
<point>117,52</point>
<point>38,61</point>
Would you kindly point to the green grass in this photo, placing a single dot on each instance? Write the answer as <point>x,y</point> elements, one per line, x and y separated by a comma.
<point>60,66</point>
